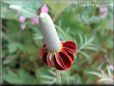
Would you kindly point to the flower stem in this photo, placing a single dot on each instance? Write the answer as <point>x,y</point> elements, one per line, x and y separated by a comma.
<point>58,76</point>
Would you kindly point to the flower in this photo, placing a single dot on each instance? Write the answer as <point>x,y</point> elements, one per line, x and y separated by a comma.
<point>103,10</point>
<point>44,9</point>
<point>22,19</point>
<point>54,52</point>
<point>35,20</point>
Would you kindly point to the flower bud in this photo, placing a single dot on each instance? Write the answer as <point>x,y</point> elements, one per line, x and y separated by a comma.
<point>44,9</point>
<point>103,10</point>
<point>22,19</point>
<point>35,20</point>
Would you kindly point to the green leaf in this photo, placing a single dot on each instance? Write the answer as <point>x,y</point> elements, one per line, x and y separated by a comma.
<point>19,77</point>
<point>12,47</point>
<point>30,8</point>
<point>84,54</point>
<point>25,76</point>
<point>46,76</point>
<point>95,73</point>
<point>85,17</point>
<point>11,77</point>
<point>57,7</point>
<point>85,42</point>
<point>9,59</point>
<point>94,19</point>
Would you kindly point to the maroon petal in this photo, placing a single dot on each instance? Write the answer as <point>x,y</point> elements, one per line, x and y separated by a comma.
<point>42,51</point>
<point>49,60</point>
<point>44,58</point>
<point>67,55</point>
<point>56,65</point>
<point>67,61</point>
<point>71,45</point>
<point>71,55</point>
<point>69,50</point>
<point>59,61</point>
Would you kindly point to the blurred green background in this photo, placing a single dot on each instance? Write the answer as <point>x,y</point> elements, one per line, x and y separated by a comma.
<point>83,25</point>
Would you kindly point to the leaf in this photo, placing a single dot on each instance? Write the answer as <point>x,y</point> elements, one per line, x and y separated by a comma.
<point>11,77</point>
<point>91,48</point>
<point>95,73</point>
<point>106,80</point>
<point>61,31</point>
<point>12,47</point>
<point>37,36</point>
<point>109,72</point>
<point>6,13</point>
<point>18,77</point>
<point>46,76</point>
<point>85,43</point>
<point>9,59</point>
<point>30,8</point>
<point>81,39</point>
<point>104,75</point>
<point>49,82</point>
<point>84,54</point>
<point>85,17</point>
<point>25,76</point>
<point>56,6</point>
<point>94,19</point>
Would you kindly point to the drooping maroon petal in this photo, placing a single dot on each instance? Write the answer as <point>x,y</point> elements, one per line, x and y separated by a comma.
<point>67,55</point>
<point>71,55</point>
<point>44,58</point>
<point>59,61</point>
<point>49,60</point>
<point>56,65</point>
<point>42,51</point>
<point>69,50</point>
<point>66,60</point>
<point>71,45</point>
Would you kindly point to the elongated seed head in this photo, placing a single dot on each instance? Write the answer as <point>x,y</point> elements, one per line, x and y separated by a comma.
<point>49,33</point>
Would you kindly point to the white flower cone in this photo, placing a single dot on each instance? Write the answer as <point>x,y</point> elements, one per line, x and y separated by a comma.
<point>49,33</point>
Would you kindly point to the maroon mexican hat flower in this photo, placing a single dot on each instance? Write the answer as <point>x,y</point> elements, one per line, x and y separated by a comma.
<point>54,52</point>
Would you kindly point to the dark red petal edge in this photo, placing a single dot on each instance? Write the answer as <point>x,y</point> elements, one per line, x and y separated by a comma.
<point>43,54</point>
<point>59,61</point>
<point>67,61</point>
<point>56,65</point>
<point>42,51</point>
<point>70,45</point>
<point>67,56</point>
<point>49,60</point>
<point>70,50</point>
<point>71,56</point>
<point>44,58</point>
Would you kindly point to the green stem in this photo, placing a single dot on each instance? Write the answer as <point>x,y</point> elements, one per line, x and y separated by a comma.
<point>58,76</point>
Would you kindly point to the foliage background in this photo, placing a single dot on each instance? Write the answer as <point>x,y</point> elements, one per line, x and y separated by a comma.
<point>20,48</point>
